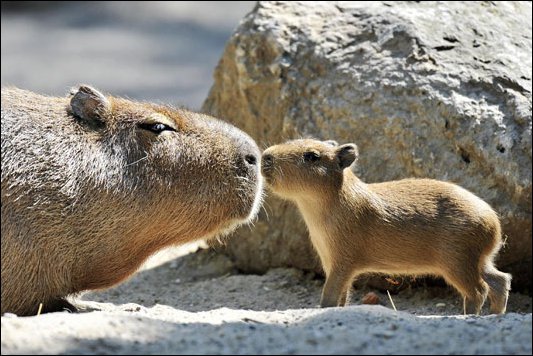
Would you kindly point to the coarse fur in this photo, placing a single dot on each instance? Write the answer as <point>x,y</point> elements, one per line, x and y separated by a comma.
<point>409,226</point>
<point>92,185</point>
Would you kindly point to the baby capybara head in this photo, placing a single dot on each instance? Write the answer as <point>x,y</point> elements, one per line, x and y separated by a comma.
<point>305,166</point>
<point>191,174</point>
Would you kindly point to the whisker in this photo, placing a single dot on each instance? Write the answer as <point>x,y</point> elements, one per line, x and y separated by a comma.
<point>264,207</point>
<point>137,161</point>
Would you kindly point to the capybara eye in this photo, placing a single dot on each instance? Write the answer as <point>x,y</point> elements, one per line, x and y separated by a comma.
<point>311,156</point>
<point>156,128</point>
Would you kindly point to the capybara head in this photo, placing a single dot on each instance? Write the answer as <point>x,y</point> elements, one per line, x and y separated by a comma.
<point>93,184</point>
<point>192,174</point>
<point>305,166</point>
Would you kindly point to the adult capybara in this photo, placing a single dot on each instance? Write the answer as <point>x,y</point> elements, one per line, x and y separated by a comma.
<point>92,185</point>
<point>410,226</point>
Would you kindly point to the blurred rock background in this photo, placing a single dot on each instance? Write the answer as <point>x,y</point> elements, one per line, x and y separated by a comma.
<point>157,51</point>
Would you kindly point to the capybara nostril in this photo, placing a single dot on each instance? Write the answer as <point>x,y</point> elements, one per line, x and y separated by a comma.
<point>250,159</point>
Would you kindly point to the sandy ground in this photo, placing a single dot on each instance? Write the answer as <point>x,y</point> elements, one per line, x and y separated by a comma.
<point>198,303</point>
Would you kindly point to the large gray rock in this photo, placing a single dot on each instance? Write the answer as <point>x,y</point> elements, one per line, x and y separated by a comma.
<point>425,89</point>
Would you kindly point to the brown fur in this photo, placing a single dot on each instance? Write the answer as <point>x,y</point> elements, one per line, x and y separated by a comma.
<point>410,226</point>
<point>89,190</point>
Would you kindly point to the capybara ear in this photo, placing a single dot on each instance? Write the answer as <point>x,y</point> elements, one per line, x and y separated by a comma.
<point>347,154</point>
<point>89,105</point>
<point>331,143</point>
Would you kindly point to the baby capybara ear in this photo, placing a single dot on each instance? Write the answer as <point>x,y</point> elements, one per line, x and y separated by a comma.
<point>346,155</point>
<point>90,105</point>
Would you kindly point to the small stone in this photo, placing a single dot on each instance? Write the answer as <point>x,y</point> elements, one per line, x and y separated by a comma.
<point>371,298</point>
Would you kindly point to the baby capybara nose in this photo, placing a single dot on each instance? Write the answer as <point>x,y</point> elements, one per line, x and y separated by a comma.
<point>267,160</point>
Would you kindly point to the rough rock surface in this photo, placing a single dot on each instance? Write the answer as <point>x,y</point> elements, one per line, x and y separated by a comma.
<point>425,89</point>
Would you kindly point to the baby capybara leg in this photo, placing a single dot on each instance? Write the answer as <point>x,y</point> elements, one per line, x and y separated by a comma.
<point>335,290</point>
<point>345,296</point>
<point>474,300</point>
<point>471,286</point>
<point>499,285</point>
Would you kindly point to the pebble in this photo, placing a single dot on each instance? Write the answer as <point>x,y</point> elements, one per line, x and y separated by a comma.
<point>371,298</point>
